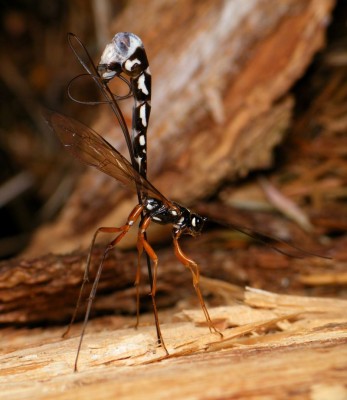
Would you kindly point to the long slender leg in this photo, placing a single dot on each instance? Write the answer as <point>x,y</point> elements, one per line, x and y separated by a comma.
<point>86,273</point>
<point>138,278</point>
<point>137,281</point>
<point>194,269</point>
<point>137,284</point>
<point>142,244</point>
<point>90,301</point>
<point>134,215</point>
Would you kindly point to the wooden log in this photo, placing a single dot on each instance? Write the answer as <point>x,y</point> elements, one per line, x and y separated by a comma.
<point>45,289</point>
<point>273,347</point>
<point>221,73</point>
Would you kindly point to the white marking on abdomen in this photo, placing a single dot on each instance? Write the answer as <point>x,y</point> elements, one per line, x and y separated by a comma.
<point>143,115</point>
<point>138,160</point>
<point>142,140</point>
<point>142,85</point>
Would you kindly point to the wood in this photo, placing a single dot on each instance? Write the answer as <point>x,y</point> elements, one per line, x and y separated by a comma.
<point>273,347</point>
<point>221,73</point>
<point>45,289</point>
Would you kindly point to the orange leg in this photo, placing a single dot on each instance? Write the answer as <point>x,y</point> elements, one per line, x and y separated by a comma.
<point>124,229</point>
<point>194,269</point>
<point>142,244</point>
<point>86,273</point>
<point>137,282</point>
<point>134,215</point>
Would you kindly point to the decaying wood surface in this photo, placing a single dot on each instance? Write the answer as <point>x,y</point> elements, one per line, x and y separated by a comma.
<point>273,346</point>
<point>45,289</point>
<point>221,73</point>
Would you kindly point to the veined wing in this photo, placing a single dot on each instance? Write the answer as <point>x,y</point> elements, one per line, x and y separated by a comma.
<point>88,146</point>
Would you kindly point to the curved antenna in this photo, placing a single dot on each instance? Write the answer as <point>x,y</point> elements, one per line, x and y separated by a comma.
<point>92,72</point>
<point>110,98</point>
<point>98,102</point>
<point>268,240</point>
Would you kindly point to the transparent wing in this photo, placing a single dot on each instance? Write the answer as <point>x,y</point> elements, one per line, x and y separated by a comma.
<point>88,146</point>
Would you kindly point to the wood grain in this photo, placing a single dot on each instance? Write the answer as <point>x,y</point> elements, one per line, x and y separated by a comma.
<point>285,348</point>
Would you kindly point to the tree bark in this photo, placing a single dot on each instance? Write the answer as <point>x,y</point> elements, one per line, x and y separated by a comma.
<point>45,290</point>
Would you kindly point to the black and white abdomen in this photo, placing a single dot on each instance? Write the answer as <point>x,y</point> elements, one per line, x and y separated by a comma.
<point>126,55</point>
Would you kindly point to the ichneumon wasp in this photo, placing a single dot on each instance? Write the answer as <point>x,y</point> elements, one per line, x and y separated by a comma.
<point>125,59</point>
